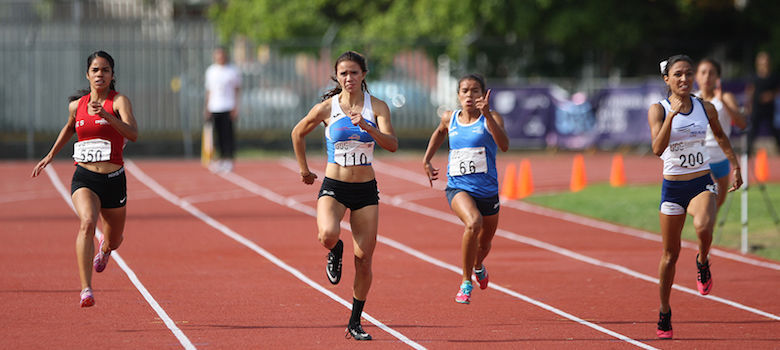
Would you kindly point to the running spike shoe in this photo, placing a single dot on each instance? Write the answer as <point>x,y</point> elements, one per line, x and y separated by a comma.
<point>703,278</point>
<point>101,259</point>
<point>464,294</point>
<point>356,331</point>
<point>482,277</point>
<point>333,269</point>
<point>87,299</point>
<point>664,330</point>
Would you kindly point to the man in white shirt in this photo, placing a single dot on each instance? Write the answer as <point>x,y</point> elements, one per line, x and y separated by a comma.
<point>223,86</point>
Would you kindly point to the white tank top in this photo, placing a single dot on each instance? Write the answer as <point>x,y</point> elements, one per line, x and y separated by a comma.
<point>716,153</point>
<point>686,152</point>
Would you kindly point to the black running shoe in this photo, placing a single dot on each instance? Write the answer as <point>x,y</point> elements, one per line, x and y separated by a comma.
<point>664,330</point>
<point>356,331</point>
<point>704,277</point>
<point>333,269</point>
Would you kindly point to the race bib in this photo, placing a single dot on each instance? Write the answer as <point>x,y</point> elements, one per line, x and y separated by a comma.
<point>688,154</point>
<point>351,153</point>
<point>95,150</point>
<point>465,161</point>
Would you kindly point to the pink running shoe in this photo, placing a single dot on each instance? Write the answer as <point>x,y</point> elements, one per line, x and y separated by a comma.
<point>464,294</point>
<point>704,277</point>
<point>482,277</point>
<point>87,299</point>
<point>664,330</point>
<point>101,259</point>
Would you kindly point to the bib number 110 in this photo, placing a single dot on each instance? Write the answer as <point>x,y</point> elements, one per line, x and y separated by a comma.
<point>355,159</point>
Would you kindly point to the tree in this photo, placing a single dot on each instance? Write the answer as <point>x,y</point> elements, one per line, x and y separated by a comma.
<point>506,38</point>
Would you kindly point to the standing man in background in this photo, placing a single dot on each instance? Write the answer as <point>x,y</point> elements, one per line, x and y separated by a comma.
<point>223,86</point>
<point>760,100</point>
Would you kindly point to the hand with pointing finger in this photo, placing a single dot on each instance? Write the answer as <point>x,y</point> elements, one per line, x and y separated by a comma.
<point>483,104</point>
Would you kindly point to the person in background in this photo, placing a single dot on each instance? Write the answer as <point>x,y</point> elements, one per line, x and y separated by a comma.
<point>678,127</point>
<point>354,122</point>
<point>475,133</point>
<point>103,120</point>
<point>223,87</point>
<point>708,79</point>
<point>760,100</point>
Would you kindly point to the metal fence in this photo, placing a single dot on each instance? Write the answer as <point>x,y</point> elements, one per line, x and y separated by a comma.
<point>160,66</point>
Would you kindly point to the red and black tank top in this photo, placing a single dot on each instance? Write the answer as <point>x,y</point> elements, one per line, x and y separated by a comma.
<point>89,127</point>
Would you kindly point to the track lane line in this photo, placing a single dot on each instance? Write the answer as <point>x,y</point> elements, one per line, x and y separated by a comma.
<point>418,179</point>
<point>183,340</point>
<point>446,216</point>
<point>291,203</point>
<point>167,195</point>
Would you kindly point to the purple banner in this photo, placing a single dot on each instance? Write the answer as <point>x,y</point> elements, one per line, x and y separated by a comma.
<point>527,114</point>
<point>539,117</point>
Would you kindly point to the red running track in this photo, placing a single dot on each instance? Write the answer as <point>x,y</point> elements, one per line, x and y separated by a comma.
<point>565,284</point>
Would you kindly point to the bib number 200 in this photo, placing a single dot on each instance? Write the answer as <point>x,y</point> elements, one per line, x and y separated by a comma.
<point>691,160</point>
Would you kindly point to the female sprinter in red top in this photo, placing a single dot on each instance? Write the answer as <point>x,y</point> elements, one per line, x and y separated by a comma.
<point>103,120</point>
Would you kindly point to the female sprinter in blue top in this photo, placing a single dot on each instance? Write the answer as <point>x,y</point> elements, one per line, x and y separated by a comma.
<point>354,122</point>
<point>678,127</point>
<point>475,133</point>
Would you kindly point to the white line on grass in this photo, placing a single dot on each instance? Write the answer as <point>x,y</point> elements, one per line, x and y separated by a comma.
<point>185,342</point>
<point>602,225</point>
<point>167,195</point>
<point>446,216</point>
<point>286,201</point>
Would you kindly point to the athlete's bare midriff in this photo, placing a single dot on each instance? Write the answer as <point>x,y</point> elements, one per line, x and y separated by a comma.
<point>686,177</point>
<point>359,173</point>
<point>101,167</point>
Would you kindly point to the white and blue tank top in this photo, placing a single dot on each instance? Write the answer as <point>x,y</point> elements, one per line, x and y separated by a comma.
<point>472,158</point>
<point>347,144</point>
<point>686,152</point>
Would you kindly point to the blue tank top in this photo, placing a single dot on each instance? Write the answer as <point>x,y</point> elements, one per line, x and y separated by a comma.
<point>347,144</point>
<point>472,158</point>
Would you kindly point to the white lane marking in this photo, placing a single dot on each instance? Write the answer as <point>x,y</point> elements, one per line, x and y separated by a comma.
<point>420,179</point>
<point>272,196</point>
<point>183,340</point>
<point>446,216</point>
<point>167,195</point>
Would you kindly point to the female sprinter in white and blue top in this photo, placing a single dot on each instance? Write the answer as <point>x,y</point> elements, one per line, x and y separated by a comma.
<point>708,80</point>
<point>475,133</point>
<point>354,122</point>
<point>678,127</point>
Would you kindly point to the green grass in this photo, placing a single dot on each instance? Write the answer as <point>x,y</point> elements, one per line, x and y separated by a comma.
<point>637,206</point>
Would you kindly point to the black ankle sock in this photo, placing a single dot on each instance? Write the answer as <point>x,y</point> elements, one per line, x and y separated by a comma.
<point>357,310</point>
<point>336,247</point>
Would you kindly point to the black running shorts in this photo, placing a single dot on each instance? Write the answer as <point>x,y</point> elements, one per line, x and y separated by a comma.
<point>111,188</point>
<point>354,195</point>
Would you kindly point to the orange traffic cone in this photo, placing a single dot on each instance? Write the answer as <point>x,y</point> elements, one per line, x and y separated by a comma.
<point>525,181</point>
<point>617,176</point>
<point>761,166</point>
<point>509,187</point>
<point>578,177</point>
